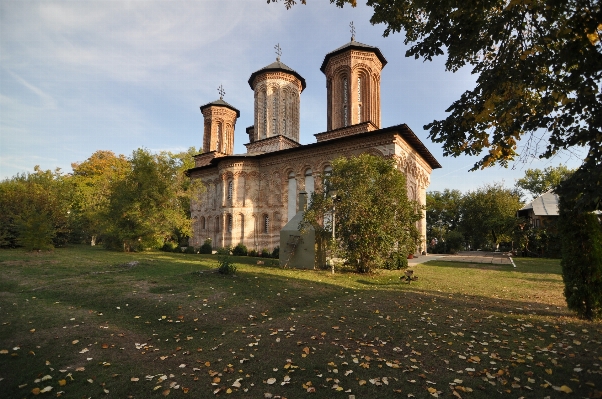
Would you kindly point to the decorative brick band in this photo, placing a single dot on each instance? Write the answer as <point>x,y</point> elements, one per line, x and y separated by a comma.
<point>346,131</point>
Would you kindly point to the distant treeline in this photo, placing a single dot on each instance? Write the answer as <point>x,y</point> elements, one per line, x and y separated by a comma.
<point>127,203</point>
<point>486,218</point>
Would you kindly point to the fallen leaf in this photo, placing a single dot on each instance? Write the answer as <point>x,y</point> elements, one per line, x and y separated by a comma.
<point>565,389</point>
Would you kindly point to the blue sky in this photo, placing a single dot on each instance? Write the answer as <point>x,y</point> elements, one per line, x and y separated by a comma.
<point>81,76</point>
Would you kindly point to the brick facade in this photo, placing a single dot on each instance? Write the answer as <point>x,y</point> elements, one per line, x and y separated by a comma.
<point>250,197</point>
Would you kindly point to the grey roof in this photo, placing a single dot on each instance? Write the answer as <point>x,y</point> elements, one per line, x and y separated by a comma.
<point>353,45</point>
<point>221,103</point>
<point>274,67</point>
<point>544,205</point>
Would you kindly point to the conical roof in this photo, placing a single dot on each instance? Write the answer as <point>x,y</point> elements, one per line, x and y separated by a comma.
<point>275,67</point>
<point>353,45</point>
<point>220,103</point>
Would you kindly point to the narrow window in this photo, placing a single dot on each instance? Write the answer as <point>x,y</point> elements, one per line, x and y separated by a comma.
<point>274,113</point>
<point>309,184</point>
<point>230,189</point>
<point>266,224</point>
<point>202,223</point>
<point>345,95</point>
<point>219,137</point>
<point>359,100</point>
<point>265,114</point>
<point>284,115</point>
<point>292,195</point>
<point>229,223</point>
<point>242,227</point>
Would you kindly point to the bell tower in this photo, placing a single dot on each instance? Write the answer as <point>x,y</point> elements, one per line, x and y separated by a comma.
<point>220,120</point>
<point>277,91</point>
<point>353,84</point>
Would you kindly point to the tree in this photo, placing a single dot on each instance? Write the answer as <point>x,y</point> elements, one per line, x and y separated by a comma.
<point>536,181</point>
<point>93,179</point>
<point>581,259</point>
<point>581,231</point>
<point>442,212</point>
<point>538,66</point>
<point>489,214</point>
<point>150,204</point>
<point>374,219</point>
<point>36,210</point>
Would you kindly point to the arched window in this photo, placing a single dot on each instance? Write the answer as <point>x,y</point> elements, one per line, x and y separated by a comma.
<point>266,224</point>
<point>274,112</point>
<point>229,223</point>
<point>345,97</point>
<point>217,223</point>
<point>202,223</point>
<point>284,113</point>
<point>292,195</point>
<point>359,99</point>
<point>309,184</point>
<point>216,195</point>
<point>230,190</point>
<point>218,139</point>
<point>265,114</point>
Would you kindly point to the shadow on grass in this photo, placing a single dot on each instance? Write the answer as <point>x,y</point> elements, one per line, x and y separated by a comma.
<point>551,266</point>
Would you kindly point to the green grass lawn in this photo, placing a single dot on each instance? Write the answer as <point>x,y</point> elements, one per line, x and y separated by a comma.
<point>90,323</point>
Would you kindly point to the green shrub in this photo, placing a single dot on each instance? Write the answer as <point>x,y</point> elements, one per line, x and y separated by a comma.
<point>168,246</point>
<point>225,265</point>
<point>276,253</point>
<point>240,250</point>
<point>265,253</point>
<point>252,253</point>
<point>224,251</point>
<point>206,248</point>
<point>190,250</point>
<point>397,261</point>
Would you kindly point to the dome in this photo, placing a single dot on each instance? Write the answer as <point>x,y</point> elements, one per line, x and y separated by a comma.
<point>276,66</point>
<point>353,45</point>
<point>220,103</point>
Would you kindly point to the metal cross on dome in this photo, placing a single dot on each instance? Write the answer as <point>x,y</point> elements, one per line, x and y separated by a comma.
<point>221,92</point>
<point>278,51</point>
<point>352,31</point>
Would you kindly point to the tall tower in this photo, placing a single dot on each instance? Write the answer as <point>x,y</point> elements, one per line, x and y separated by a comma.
<point>277,101</point>
<point>220,120</point>
<point>353,84</point>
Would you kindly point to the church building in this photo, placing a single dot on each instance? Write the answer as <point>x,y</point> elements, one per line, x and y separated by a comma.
<point>250,197</point>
